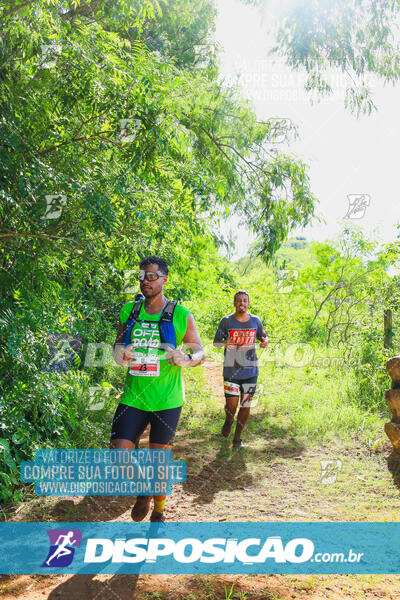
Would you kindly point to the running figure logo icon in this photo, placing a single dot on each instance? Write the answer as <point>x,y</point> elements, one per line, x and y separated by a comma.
<point>61,551</point>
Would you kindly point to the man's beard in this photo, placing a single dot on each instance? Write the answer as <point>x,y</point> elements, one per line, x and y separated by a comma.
<point>150,293</point>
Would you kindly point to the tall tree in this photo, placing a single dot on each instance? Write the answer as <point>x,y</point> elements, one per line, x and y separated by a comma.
<point>358,37</point>
<point>117,140</point>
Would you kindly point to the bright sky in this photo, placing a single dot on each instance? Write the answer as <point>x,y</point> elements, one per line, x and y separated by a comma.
<point>346,155</point>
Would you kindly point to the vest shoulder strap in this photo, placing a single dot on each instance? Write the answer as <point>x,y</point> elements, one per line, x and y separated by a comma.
<point>130,322</point>
<point>136,309</point>
<point>134,314</point>
<point>168,312</point>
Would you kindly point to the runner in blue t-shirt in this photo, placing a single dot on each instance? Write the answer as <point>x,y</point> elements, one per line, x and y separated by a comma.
<point>238,333</point>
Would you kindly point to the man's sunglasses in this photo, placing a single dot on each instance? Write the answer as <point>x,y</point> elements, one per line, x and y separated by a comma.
<point>149,275</point>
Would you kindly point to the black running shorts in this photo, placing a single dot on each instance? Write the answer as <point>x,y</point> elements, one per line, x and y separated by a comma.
<point>130,422</point>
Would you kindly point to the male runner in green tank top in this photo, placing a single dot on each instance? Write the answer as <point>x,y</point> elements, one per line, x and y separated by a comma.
<point>154,386</point>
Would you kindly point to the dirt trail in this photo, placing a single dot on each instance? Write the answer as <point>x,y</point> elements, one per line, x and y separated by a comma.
<point>275,478</point>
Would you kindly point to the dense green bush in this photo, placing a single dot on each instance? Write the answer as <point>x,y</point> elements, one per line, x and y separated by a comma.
<point>371,377</point>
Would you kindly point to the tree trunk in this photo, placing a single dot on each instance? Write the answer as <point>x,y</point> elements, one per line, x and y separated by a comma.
<point>387,327</point>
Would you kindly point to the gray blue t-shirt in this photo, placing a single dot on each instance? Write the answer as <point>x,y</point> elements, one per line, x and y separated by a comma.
<point>242,362</point>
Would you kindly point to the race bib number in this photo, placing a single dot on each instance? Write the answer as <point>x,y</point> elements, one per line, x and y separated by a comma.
<point>231,388</point>
<point>242,337</point>
<point>145,366</point>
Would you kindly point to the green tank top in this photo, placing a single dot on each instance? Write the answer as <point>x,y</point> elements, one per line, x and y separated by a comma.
<point>156,385</point>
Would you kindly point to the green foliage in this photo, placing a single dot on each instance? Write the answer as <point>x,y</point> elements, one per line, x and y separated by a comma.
<point>117,140</point>
<point>338,301</point>
<point>193,154</point>
<point>371,376</point>
<point>44,410</point>
<point>359,38</point>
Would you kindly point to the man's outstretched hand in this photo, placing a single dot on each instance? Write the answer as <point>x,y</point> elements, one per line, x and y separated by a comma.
<point>122,355</point>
